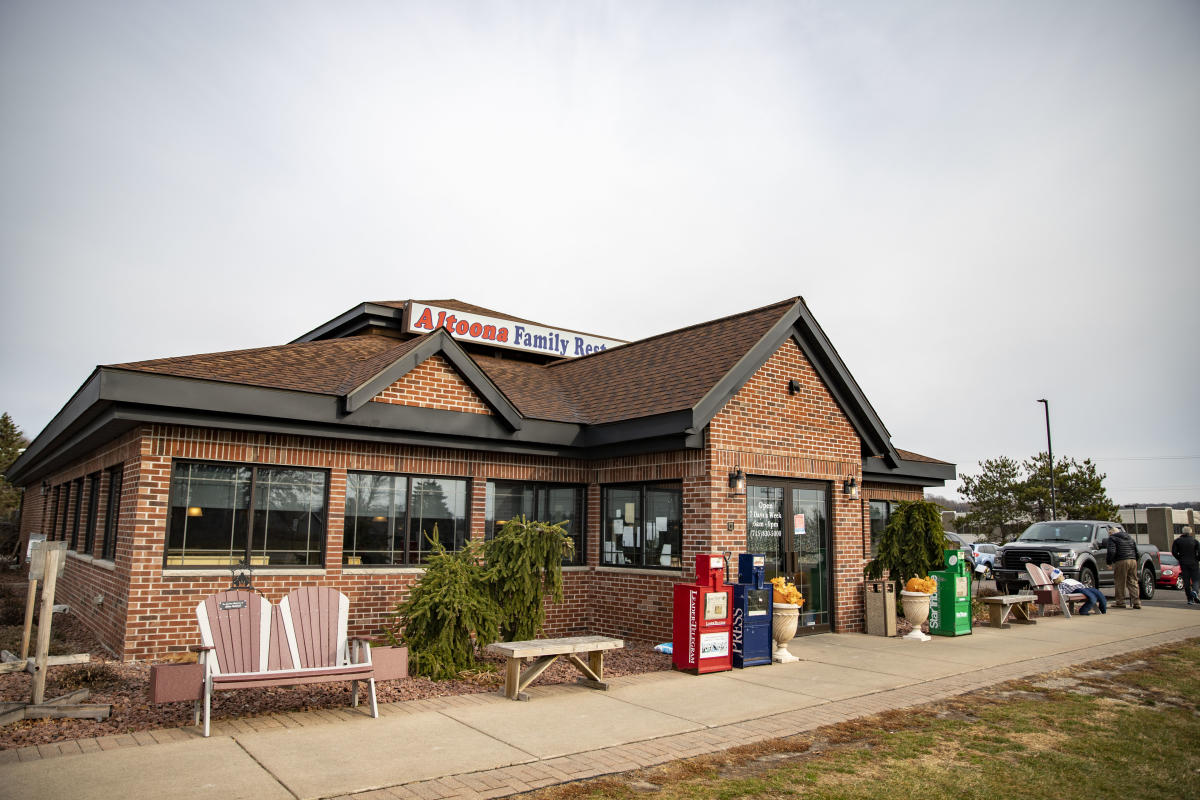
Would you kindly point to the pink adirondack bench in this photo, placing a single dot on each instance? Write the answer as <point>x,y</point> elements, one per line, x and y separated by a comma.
<point>249,643</point>
<point>1048,594</point>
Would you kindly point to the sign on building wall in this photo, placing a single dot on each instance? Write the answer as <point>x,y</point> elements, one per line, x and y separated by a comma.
<point>505,333</point>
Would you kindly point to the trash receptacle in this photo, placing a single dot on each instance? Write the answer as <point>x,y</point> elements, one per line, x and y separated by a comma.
<point>881,608</point>
<point>950,609</point>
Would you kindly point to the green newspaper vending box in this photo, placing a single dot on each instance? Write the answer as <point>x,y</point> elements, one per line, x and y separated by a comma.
<point>950,611</point>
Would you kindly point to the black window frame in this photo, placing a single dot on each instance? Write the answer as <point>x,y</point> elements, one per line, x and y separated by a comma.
<point>75,518</point>
<point>112,514</point>
<point>251,520</point>
<point>642,488</point>
<point>578,535</point>
<point>411,479</point>
<point>63,510</point>
<point>93,505</point>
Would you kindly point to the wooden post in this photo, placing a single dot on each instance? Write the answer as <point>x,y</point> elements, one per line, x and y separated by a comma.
<point>53,557</point>
<point>30,599</point>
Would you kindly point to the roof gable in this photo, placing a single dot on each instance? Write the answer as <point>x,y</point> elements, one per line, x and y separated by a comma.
<point>416,352</point>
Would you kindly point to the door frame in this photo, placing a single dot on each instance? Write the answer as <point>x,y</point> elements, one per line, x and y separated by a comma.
<point>787,484</point>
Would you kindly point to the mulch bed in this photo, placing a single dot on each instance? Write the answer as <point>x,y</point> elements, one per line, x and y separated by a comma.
<point>125,685</point>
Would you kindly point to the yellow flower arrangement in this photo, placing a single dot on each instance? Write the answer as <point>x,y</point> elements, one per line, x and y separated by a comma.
<point>786,592</point>
<point>922,585</point>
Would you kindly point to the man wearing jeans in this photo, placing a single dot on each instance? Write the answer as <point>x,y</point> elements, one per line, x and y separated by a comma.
<point>1122,557</point>
<point>1068,586</point>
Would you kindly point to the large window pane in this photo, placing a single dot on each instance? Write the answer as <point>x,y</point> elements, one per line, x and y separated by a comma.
<point>544,502</point>
<point>440,502</point>
<point>880,513</point>
<point>112,513</point>
<point>208,518</point>
<point>621,542</point>
<point>664,526</point>
<point>506,500</point>
<point>289,517</point>
<point>643,525</point>
<point>563,505</point>
<point>376,509</point>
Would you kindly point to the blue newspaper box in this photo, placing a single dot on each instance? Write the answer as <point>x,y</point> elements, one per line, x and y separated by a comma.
<point>752,606</point>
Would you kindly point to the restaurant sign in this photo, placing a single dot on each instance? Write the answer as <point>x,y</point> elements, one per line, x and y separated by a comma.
<point>470,327</point>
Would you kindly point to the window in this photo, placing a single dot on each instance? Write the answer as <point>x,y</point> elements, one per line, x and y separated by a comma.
<point>89,528</point>
<point>112,514</point>
<point>74,545</point>
<point>544,502</point>
<point>222,513</point>
<point>389,517</point>
<point>881,512</point>
<point>643,525</point>
<point>58,518</point>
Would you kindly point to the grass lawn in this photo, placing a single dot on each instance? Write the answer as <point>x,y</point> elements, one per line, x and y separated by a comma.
<point>1127,727</point>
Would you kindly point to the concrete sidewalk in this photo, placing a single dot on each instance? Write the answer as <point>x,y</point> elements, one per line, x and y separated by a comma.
<point>486,746</point>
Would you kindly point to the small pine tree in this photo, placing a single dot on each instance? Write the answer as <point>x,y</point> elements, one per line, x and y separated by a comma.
<point>11,443</point>
<point>911,544</point>
<point>524,566</point>
<point>448,614</point>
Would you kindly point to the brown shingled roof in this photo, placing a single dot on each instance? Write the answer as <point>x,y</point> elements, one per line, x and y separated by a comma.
<point>324,367</point>
<point>669,372</point>
<point>910,456</point>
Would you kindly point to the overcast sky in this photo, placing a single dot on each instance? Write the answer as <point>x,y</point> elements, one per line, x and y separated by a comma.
<point>983,203</point>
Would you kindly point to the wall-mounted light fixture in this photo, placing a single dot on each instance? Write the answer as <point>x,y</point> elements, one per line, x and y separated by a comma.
<point>379,519</point>
<point>45,487</point>
<point>850,487</point>
<point>737,481</point>
<point>793,386</point>
<point>195,511</point>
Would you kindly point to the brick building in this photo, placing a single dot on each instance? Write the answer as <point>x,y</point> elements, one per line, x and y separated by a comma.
<point>326,461</point>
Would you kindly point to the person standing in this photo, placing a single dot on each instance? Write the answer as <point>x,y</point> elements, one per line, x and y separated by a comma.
<point>1069,586</point>
<point>1186,550</point>
<point>1122,557</point>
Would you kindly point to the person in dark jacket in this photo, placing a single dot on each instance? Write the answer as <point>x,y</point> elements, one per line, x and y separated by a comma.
<point>1123,558</point>
<point>1186,550</point>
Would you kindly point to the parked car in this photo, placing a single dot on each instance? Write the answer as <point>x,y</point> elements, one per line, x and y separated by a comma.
<point>964,547</point>
<point>984,553</point>
<point>1078,547</point>
<point>1169,575</point>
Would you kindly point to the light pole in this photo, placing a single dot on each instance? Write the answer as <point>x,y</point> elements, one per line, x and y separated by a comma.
<point>1050,452</point>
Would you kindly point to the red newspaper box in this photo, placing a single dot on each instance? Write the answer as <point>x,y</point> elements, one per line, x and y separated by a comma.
<point>703,619</point>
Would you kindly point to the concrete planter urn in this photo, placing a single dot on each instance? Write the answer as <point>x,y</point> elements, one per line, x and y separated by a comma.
<point>783,630</point>
<point>916,611</point>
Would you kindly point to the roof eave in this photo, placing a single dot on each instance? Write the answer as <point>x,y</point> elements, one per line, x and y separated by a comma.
<point>362,316</point>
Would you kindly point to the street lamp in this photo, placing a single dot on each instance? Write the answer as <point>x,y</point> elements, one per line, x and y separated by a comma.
<point>1050,452</point>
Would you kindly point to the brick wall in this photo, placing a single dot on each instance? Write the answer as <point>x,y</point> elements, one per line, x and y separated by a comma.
<point>434,383</point>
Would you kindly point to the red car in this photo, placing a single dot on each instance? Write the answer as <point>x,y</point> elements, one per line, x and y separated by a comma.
<point>1168,573</point>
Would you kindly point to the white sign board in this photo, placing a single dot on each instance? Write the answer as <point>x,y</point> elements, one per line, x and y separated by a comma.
<point>469,327</point>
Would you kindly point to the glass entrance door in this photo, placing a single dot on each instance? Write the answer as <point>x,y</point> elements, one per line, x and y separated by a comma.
<point>789,522</point>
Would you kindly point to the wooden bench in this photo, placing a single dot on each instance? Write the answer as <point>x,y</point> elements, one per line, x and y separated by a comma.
<point>1007,608</point>
<point>249,643</point>
<point>545,652</point>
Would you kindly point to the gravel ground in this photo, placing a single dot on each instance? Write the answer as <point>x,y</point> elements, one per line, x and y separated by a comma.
<point>125,686</point>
